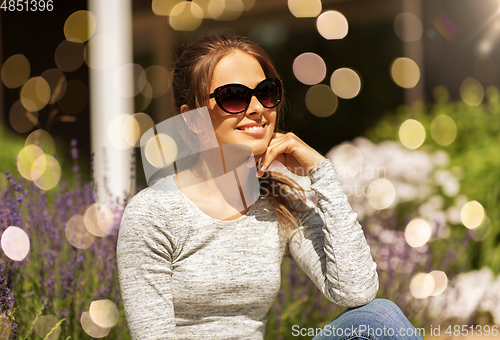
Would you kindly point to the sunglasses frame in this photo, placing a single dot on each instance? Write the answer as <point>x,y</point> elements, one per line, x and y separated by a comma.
<point>216,94</point>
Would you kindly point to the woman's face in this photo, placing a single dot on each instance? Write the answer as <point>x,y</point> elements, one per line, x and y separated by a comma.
<point>241,68</point>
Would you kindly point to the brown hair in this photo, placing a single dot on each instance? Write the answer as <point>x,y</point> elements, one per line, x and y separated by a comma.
<point>191,80</point>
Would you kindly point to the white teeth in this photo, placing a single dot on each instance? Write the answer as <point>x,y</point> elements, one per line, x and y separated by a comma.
<point>253,128</point>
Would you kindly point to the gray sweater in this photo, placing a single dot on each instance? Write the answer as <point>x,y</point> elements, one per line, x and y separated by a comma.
<point>185,275</point>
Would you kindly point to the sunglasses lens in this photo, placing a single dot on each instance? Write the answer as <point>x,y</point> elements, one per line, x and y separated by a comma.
<point>268,93</point>
<point>234,98</point>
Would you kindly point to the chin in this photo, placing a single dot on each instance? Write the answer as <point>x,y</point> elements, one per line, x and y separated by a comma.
<point>257,150</point>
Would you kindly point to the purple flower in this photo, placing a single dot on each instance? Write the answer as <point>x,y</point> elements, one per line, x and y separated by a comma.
<point>281,297</point>
<point>20,198</point>
<point>7,300</point>
<point>14,331</point>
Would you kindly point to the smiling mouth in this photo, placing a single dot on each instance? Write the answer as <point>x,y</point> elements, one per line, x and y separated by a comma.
<point>252,128</point>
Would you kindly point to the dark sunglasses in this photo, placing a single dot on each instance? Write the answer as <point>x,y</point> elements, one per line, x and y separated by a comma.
<point>235,98</point>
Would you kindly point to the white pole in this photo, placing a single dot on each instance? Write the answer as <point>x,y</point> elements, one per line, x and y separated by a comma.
<point>415,51</point>
<point>110,49</point>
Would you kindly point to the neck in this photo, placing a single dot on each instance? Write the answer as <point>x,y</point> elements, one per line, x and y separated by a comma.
<point>222,175</point>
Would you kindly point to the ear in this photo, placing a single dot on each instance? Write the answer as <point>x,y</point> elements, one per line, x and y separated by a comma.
<point>184,108</point>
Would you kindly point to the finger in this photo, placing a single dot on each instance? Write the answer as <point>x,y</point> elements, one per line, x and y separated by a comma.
<point>276,138</point>
<point>289,138</point>
<point>267,159</point>
<point>272,152</point>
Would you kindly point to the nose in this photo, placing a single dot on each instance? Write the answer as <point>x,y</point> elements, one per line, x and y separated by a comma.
<point>255,106</point>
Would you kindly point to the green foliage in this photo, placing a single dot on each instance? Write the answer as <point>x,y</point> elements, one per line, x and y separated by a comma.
<point>475,153</point>
<point>12,143</point>
<point>299,304</point>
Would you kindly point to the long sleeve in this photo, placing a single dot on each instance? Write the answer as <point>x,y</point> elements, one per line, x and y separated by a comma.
<point>333,250</point>
<point>144,257</point>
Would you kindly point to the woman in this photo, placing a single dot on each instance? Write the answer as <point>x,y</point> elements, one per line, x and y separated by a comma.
<point>194,265</point>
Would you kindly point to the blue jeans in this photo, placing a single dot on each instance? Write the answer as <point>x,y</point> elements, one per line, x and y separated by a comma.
<point>378,320</point>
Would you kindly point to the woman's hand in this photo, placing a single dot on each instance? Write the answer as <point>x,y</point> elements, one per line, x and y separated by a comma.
<point>290,150</point>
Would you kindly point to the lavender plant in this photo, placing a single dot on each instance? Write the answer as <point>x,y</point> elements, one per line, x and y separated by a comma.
<point>57,278</point>
<point>8,328</point>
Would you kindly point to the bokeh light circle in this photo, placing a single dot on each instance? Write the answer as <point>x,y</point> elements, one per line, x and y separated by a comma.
<point>143,99</point>
<point>346,83</point>
<point>35,94</point>
<point>25,159</point>
<point>309,68</point>
<point>321,101</point>
<point>305,8</point>
<point>69,56</point>
<point>186,16</point>
<point>132,75</point>
<point>422,285</point>
<point>43,140</point>
<point>418,232</point>
<point>408,27</point>
<point>57,83</point>
<point>412,134</point>
<point>77,234</point>
<point>15,243</point>
<point>472,92</point>
<point>15,71</point>
<point>332,25</point>
<point>443,130</point>
<point>472,215</point>
<point>21,119</point>
<point>164,7</point>
<point>44,324</point>
<point>347,160</point>
<point>212,9</point>
<point>99,220</point>
<point>248,4</point>
<point>135,126</point>
<point>104,313</point>
<point>440,282</point>
<point>38,167</point>
<point>383,194</point>
<point>441,94</point>
<point>80,26</point>
<point>405,72</point>
<point>158,76</point>
<point>227,10</point>
<point>117,132</point>
<point>484,230</point>
<point>160,150</point>
<point>49,172</point>
<point>91,328</point>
